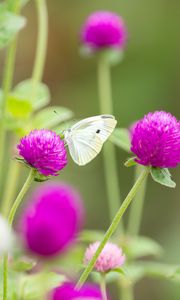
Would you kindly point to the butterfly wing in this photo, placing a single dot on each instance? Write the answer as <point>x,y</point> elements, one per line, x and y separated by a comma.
<point>83,150</point>
<point>102,126</point>
<point>85,139</point>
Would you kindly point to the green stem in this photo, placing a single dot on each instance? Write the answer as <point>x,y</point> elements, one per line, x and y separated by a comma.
<point>103,286</point>
<point>13,173</point>
<point>41,48</point>
<point>135,215</point>
<point>110,166</point>
<point>6,86</point>
<point>12,213</point>
<point>113,226</point>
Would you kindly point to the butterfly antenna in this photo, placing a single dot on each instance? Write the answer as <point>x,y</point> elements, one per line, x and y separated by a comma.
<point>59,116</point>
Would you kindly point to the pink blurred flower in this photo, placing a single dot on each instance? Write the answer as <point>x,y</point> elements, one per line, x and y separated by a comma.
<point>104,29</point>
<point>67,291</point>
<point>110,258</point>
<point>52,219</point>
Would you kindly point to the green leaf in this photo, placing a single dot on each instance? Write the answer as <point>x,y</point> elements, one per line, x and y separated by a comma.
<point>18,107</point>
<point>37,95</point>
<point>158,270</point>
<point>121,271</point>
<point>136,247</point>
<point>121,138</point>
<point>162,176</point>
<point>23,265</point>
<point>151,269</point>
<point>130,162</point>
<point>11,3</point>
<point>51,116</point>
<point>40,177</point>
<point>72,260</point>
<point>176,275</point>
<point>10,24</point>
<point>36,286</point>
<point>135,272</point>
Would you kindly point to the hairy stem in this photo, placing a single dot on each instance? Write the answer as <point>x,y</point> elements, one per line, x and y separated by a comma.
<point>113,226</point>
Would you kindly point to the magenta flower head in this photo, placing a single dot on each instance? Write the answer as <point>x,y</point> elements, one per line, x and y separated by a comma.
<point>43,150</point>
<point>104,29</point>
<point>52,219</point>
<point>110,258</point>
<point>156,140</point>
<point>68,292</point>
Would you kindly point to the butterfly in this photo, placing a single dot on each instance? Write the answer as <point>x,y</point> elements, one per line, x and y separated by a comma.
<point>86,138</point>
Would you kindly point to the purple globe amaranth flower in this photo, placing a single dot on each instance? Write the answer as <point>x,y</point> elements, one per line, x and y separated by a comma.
<point>52,219</point>
<point>110,258</point>
<point>104,29</point>
<point>43,150</point>
<point>156,140</point>
<point>68,292</point>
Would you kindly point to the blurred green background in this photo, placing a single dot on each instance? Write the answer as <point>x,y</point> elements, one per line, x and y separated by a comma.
<point>148,79</point>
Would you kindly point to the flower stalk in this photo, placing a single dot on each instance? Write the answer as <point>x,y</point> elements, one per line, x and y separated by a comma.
<point>41,48</point>
<point>110,166</point>
<point>11,216</point>
<point>113,226</point>
<point>6,87</point>
<point>103,286</point>
<point>137,205</point>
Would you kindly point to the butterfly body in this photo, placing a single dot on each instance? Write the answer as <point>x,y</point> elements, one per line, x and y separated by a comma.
<point>86,138</point>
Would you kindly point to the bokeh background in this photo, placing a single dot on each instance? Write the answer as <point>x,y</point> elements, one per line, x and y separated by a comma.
<point>148,79</point>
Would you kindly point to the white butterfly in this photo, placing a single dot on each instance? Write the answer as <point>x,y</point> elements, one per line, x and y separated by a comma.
<point>86,138</point>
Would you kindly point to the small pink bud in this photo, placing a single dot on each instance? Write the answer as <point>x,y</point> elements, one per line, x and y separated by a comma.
<point>110,258</point>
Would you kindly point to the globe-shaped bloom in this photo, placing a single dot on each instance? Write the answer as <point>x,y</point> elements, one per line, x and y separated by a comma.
<point>156,140</point>
<point>52,219</point>
<point>111,257</point>
<point>68,292</point>
<point>43,150</point>
<point>104,29</point>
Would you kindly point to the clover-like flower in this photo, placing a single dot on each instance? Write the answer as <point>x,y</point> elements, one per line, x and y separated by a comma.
<point>67,291</point>
<point>111,257</point>
<point>52,219</point>
<point>43,150</point>
<point>104,29</point>
<point>156,140</point>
